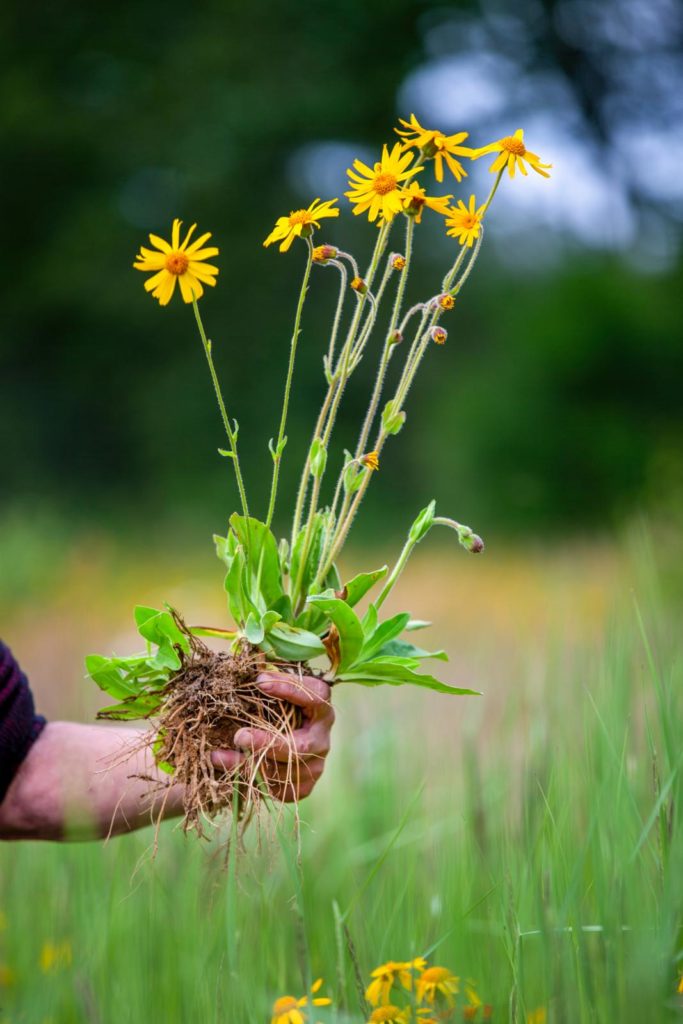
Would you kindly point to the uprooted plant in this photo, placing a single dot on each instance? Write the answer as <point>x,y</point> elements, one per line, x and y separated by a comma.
<point>290,608</point>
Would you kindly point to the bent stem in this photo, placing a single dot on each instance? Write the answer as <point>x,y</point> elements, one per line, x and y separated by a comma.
<point>232,435</point>
<point>277,452</point>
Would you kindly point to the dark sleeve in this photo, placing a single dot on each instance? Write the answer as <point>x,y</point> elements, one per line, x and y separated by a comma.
<point>19,724</point>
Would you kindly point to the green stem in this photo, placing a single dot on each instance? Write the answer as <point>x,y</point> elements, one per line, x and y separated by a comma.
<point>277,454</point>
<point>395,572</point>
<point>232,438</point>
<point>388,345</point>
<point>493,191</point>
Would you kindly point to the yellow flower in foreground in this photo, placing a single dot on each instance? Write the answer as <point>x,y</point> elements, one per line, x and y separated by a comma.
<point>287,1009</point>
<point>175,262</point>
<point>55,956</point>
<point>538,1016</point>
<point>513,153</point>
<point>384,976</point>
<point>378,190</point>
<point>389,1015</point>
<point>415,199</point>
<point>300,223</point>
<point>464,222</point>
<point>437,146</point>
<point>437,979</point>
<point>370,460</point>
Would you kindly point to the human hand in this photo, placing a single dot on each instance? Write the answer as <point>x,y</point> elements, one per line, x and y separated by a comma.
<point>292,764</point>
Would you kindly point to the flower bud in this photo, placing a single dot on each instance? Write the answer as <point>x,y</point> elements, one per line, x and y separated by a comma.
<point>446,301</point>
<point>439,335</point>
<point>395,338</point>
<point>392,418</point>
<point>323,253</point>
<point>359,285</point>
<point>470,540</point>
<point>398,261</point>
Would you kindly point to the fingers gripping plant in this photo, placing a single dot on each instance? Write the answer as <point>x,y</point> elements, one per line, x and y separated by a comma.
<point>288,603</point>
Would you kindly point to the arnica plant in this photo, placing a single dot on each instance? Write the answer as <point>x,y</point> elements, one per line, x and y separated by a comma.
<point>291,610</point>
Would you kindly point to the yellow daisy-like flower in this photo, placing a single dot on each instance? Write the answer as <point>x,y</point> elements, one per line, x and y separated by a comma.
<point>513,153</point>
<point>436,146</point>
<point>370,460</point>
<point>300,223</point>
<point>175,262</point>
<point>385,976</point>
<point>415,199</point>
<point>287,1009</point>
<point>437,979</point>
<point>378,190</point>
<point>538,1016</point>
<point>464,222</point>
<point>389,1015</point>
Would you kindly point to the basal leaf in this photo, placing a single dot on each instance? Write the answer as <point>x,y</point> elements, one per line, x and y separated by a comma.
<point>348,625</point>
<point>404,649</point>
<point>262,579</point>
<point>292,644</point>
<point>253,629</point>
<point>159,627</point>
<point>384,632</point>
<point>143,706</point>
<point>379,672</point>
<point>358,587</point>
<point>307,573</point>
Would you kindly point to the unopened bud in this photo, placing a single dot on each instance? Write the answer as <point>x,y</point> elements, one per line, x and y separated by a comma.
<point>446,301</point>
<point>395,338</point>
<point>398,262</point>
<point>359,285</point>
<point>439,335</point>
<point>429,149</point>
<point>470,540</point>
<point>323,253</point>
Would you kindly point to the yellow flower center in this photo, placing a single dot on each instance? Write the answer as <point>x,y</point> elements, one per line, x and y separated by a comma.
<point>433,975</point>
<point>385,1013</point>
<point>177,262</point>
<point>384,183</point>
<point>469,221</point>
<point>513,145</point>
<point>284,1004</point>
<point>299,217</point>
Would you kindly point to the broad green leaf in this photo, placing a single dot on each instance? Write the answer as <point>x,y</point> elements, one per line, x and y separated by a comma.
<point>253,629</point>
<point>348,625</point>
<point>108,676</point>
<point>358,587</point>
<point>159,627</point>
<point>143,706</point>
<point>293,644</point>
<point>262,580</point>
<point>423,523</point>
<point>404,649</point>
<point>225,547</point>
<point>385,632</point>
<point>378,673</point>
<point>370,620</point>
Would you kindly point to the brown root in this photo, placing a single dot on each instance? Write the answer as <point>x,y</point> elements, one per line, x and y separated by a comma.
<point>206,702</point>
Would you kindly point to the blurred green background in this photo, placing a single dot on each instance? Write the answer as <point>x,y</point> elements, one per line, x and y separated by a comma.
<point>556,403</point>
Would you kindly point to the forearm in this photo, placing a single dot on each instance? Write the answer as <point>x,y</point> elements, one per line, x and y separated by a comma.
<point>83,782</point>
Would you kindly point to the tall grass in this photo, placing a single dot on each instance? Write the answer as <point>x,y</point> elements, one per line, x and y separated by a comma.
<point>538,851</point>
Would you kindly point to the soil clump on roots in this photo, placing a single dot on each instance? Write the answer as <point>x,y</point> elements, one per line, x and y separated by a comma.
<point>206,702</point>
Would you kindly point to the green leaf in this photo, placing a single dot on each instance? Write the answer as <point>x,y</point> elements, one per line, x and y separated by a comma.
<point>108,676</point>
<point>234,586</point>
<point>381,671</point>
<point>384,632</point>
<point>143,706</point>
<point>404,649</point>
<point>226,454</point>
<point>348,624</point>
<point>293,644</point>
<point>317,457</point>
<point>225,547</point>
<point>262,579</point>
<point>358,587</point>
<point>253,629</point>
<point>159,627</point>
<point>415,624</point>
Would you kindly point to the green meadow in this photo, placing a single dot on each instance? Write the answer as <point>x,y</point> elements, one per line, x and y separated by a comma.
<point>528,839</point>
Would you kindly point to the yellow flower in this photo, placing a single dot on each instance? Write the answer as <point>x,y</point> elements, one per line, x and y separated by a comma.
<point>384,976</point>
<point>175,262</point>
<point>464,222</point>
<point>415,199</point>
<point>287,1009</point>
<point>439,335</point>
<point>359,285</point>
<point>54,956</point>
<point>371,461</point>
<point>378,190</point>
<point>446,301</point>
<point>398,262</point>
<point>323,253</point>
<point>300,223</point>
<point>437,979</point>
<point>538,1016</point>
<point>437,146</point>
<point>679,990</point>
<point>512,151</point>
<point>389,1015</point>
